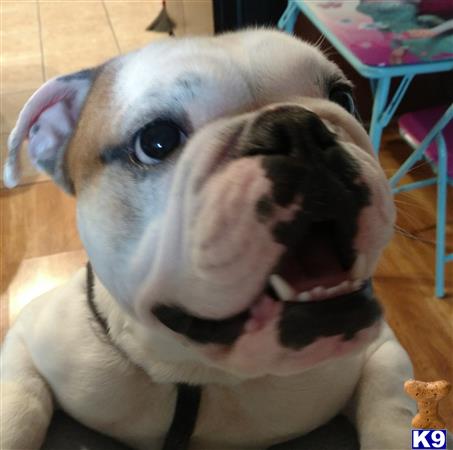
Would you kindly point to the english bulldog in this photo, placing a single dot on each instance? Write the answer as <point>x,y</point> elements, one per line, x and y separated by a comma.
<point>233,213</point>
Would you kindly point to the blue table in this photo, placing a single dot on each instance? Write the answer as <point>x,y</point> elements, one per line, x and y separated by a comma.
<point>383,40</point>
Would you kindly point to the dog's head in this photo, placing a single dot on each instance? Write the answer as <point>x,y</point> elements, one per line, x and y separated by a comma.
<point>227,196</point>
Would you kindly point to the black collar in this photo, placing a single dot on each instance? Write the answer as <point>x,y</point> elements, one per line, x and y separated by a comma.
<point>188,396</point>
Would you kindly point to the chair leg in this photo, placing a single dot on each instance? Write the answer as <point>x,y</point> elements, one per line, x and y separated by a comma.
<point>441,216</point>
<point>442,178</point>
<point>410,161</point>
<point>418,154</point>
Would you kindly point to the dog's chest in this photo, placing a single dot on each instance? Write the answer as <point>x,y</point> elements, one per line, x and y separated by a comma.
<point>254,414</point>
<point>259,413</point>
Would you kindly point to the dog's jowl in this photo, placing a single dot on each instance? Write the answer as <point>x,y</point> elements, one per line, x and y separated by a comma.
<point>233,213</point>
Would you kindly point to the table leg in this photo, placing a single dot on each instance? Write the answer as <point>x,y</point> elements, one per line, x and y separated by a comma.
<point>441,216</point>
<point>288,20</point>
<point>383,113</point>
<point>380,100</point>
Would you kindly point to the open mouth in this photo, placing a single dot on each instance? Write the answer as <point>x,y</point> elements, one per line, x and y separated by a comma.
<point>316,266</point>
<point>318,289</point>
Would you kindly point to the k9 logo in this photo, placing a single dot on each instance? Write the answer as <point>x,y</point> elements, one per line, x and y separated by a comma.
<point>429,439</point>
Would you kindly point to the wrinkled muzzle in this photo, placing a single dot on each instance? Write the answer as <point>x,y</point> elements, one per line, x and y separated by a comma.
<point>272,230</point>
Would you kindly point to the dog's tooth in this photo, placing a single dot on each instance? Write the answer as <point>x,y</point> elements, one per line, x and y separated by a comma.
<point>330,292</point>
<point>318,291</point>
<point>282,288</point>
<point>304,297</point>
<point>358,271</point>
<point>344,286</point>
<point>338,289</point>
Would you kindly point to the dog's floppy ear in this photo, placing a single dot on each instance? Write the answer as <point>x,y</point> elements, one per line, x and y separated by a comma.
<point>48,120</point>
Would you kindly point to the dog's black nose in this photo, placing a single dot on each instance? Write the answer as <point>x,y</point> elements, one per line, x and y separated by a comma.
<point>302,157</point>
<point>288,131</point>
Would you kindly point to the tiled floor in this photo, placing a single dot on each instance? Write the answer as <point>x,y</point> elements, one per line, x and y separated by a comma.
<point>41,39</point>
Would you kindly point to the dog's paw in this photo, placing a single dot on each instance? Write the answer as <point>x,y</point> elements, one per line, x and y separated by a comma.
<point>392,434</point>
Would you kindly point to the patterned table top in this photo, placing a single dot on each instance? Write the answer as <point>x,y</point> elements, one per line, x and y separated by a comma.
<point>384,33</point>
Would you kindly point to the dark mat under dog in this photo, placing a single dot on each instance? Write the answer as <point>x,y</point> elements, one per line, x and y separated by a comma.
<point>338,434</point>
<point>67,434</point>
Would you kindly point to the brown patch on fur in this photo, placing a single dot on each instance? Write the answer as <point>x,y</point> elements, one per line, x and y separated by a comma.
<point>95,130</point>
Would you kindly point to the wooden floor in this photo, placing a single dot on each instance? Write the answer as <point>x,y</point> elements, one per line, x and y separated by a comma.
<point>40,248</point>
<point>404,280</point>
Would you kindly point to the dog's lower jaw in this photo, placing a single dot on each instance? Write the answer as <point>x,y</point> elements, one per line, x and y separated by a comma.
<point>170,358</point>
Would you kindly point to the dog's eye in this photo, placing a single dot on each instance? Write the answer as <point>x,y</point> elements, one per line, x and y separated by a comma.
<point>343,97</point>
<point>156,141</point>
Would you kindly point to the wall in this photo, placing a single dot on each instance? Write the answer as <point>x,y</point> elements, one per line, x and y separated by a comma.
<point>191,16</point>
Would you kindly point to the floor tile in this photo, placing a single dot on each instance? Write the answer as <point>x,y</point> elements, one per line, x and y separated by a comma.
<point>21,60</point>
<point>18,15</point>
<point>35,276</point>
<point>18,42</point>
<point>194,17</point>
<point>71,1</point>
<point>6,3</point>
<point>10,107</point>
<point>21,73</point>
<point>39,244</point>
<point>129,21</point>
<point>75,35</point>
<point>19,28</point>
<point>86,2</point>
<point>62,63</point>
<point>37,220</point>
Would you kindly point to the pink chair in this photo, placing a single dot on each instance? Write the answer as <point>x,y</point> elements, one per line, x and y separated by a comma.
<point>430,133</point>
